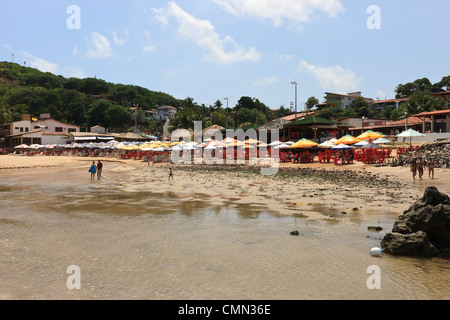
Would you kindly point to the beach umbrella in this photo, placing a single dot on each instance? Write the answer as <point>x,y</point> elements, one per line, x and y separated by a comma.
<point>275,143</point>
<point>370,135</point>
<point>372,145</point>
<point>361,144</point>
<point>304,143</point>
<point>328,144</point>
<point>348,139</point>
<point>342,147</point>
<point>22,146</point>
<point>282,146</point>
<point>410,133</point>
<point>382,140</point>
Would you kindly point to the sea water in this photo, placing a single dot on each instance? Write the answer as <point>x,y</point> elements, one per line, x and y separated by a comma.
<point>137,243</point>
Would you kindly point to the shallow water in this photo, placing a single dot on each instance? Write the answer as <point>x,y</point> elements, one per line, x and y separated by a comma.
<point>132,242</point>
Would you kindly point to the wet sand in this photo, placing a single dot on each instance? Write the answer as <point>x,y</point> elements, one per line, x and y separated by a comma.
<point>208,234</point>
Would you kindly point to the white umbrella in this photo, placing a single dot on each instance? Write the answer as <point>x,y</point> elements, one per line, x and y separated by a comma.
<point>342,146</point>
<point>282,146</point>
<point>410,133</point>
<point>275,143</point>
<point>382,140</point>
<point>361,144</point>
<point>328,144</point>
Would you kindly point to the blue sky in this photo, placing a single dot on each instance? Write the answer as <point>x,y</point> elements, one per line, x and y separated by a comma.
<point>212,49</point>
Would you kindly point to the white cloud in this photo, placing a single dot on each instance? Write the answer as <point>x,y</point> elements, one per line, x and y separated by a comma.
<point>74,72</point>
<point>39,63</point>
<point>147,34</point>
<point>333,78</point>
<point>203,34</point>
<point>266,81</point>
<point>283,56</point>
<point>118,40</point>
<point>277,11</point>
<point>149,48</point>
<point>98,46</point>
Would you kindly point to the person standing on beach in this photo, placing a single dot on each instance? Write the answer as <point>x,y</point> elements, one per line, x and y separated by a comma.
<point>431,169</point>
<point>99,169</point>
<point>93,170</point>
<point>414,169</point>
<point>420,167</point>
<point>170,173</point>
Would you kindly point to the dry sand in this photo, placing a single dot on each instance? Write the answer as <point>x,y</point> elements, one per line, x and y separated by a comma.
<point>298,189</point>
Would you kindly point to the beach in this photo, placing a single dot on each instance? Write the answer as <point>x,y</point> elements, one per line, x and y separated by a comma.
<point>294,187</point>
<point>213,232</point>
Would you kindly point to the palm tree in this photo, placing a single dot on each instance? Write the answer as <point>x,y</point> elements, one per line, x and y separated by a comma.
<point>5,114</point>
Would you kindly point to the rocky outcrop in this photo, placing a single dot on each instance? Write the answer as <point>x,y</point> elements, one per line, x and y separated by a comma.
<point>439,151</point>
<point>424,229</point>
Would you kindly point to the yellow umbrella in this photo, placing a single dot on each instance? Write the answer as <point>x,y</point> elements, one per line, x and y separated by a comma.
<point>252,141</point>
<point>234,144</point>
<point>348,139</point>
<point>370,135</point>
<point>304,143</point>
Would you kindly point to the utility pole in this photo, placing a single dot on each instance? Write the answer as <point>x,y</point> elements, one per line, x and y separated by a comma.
<point>295,84</point>
<point>226,120</point>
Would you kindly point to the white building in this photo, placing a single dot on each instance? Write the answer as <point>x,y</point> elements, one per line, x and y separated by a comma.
<point>44,131</point>
<point>165,112</point>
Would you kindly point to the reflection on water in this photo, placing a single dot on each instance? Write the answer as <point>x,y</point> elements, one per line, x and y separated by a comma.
<point>135,243</point>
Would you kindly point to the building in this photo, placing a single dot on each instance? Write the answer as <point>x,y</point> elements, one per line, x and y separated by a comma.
<point>343,101</point>
<point>150,115</point>
<point>98,129</point>
<point>363,122</point>
<point>389,103</point>
<point>414,122</point>
<point>45,131</point>
<point>165,112</point>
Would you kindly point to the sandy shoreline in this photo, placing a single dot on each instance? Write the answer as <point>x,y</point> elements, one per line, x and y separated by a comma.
<point>298,189</point>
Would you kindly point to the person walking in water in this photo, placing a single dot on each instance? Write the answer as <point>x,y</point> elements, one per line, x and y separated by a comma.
<point>420,167</point>
<point>431,168</point>
<point>99,169</point>
<point>414,169</point>
<point>93,170</point>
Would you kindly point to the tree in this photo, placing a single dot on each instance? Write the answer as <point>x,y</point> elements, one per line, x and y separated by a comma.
<point>97,113</point>
<point>5,113</point>
<point>311,103</point>
<point>118,117</point>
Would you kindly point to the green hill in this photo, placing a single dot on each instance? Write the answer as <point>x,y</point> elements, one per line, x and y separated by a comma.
<point>84,102</point>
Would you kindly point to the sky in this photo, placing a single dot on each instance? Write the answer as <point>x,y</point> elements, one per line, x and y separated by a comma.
<point>215,49</point>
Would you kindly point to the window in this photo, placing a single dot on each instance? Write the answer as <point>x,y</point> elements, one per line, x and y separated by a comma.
<point>21,129</point>
<point>26,129</point>
<point>58,129</point>
<point>72,130</point>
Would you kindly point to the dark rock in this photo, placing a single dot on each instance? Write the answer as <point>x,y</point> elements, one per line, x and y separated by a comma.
<point>375,229</point>
<point>424,229</point>
<point>295,233</point>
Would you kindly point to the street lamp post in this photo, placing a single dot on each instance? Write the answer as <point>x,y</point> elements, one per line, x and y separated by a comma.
<point>226,120</point>
<point>362,126</point>
<point>295,84</point>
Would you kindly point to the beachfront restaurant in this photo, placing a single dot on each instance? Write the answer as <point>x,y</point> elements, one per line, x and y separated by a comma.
<point>87,137</point>
<point>313,128</point>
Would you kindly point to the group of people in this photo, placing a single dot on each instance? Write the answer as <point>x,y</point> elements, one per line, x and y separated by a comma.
<point>96,170</point>
<point>417,167</point>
